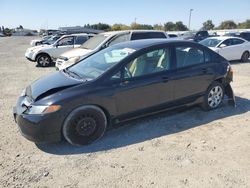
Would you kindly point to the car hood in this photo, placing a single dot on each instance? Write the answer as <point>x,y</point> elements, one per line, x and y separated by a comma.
<point>76,52</point>
<point>50,84</point>
<point>40,47</point>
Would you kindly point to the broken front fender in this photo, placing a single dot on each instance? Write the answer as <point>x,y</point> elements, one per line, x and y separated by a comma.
<point>230,94</point>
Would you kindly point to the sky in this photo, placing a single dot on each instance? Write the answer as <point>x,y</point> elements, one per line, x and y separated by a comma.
<point>37,14</point>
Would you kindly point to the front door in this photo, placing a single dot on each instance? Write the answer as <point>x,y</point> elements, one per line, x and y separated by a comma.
<point>62,46</point>
<point>145,82</point>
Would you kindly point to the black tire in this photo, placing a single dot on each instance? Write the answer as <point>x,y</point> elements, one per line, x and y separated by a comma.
<point>43,60</point>
<point>212,101</point>
<point>245,56</point>
<point>84,125</point>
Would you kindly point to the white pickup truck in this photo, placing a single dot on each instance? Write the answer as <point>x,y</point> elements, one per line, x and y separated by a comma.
<point>102,41</point>
<point>44,55</point>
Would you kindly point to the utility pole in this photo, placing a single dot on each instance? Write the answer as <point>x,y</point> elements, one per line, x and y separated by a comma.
<point>189,22</point>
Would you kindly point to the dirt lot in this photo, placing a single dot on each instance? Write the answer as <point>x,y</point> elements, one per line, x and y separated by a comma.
<point>182,149</point>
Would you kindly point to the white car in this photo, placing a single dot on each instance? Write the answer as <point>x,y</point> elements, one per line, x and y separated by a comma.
<point>231,48</point>
<point>102,41</point>
<point>44,55</point>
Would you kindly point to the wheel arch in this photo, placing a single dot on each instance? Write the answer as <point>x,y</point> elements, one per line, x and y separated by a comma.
<point>42,53</point>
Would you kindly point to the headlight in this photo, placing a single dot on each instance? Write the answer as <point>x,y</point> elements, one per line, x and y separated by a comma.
<point>33,109</point>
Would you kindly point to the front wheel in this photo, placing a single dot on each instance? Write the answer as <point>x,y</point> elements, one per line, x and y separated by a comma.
<point>84,125</point>
<point>214,96</point>
<point>44,60</point>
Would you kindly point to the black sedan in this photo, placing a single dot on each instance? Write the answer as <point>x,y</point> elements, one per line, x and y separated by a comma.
<point>121,82</point>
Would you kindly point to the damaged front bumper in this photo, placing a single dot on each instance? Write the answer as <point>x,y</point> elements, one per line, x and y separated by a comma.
<point>230,94</point>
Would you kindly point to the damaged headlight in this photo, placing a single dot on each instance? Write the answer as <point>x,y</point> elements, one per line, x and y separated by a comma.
<point>37,109</point>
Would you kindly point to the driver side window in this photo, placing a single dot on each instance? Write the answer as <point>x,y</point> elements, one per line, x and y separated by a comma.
<point>66,41</point>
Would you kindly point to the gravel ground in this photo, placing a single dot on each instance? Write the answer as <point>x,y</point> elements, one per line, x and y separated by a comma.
<point>191,148</point>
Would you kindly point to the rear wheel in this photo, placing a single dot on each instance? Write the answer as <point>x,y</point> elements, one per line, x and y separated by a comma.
<point>84,125</point>
<point>214,96</point>
<point>44,60</point>
<point>245,56</point>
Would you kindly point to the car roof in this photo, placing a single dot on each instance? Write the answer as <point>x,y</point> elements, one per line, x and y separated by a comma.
<point>225,37</point>
<point>125,31</point>
<point>79,34</point>
<point>144,43</point>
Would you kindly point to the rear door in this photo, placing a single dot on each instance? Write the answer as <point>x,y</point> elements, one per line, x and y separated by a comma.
<point>193,71</point>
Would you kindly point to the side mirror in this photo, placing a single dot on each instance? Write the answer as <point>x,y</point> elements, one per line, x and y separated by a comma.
<point>223,46</point>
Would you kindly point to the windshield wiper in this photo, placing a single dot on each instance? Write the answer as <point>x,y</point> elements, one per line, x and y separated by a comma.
<point>72,74</point>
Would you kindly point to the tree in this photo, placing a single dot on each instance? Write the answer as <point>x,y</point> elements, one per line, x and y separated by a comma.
<point>101,26</point>
<point>169,26</point>
<point>158,27</point>
<point>118,27</point>
<point>137,26</point>
<point>179,26</point>
<point>20,27</point>
<point>228,24</point>
<point>244,25</point>
<point>208,25</point>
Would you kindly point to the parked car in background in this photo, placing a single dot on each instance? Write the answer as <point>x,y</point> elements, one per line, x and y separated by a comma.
<point>172,35</point>
<point>231,48</point>
<point>195,36</point>
<point>121,82</point>
<point>102,41</point>
<point>45,40</point>
<point>44,55</point>
<point>245,35</point>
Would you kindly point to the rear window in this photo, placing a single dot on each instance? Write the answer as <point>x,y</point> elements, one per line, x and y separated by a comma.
<point>147,35</point>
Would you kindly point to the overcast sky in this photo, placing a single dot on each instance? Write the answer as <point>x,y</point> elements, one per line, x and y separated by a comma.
<point>35,14</point>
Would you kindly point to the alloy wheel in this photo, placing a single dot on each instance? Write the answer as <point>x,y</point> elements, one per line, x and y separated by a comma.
<point>215,96</point>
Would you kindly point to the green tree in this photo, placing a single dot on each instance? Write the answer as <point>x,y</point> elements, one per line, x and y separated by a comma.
<point>179,26</point>
<point>169,26</point>
<point>101,26</point>
<point>228,24</point>
<point>158,27</point>
<point>136,26</point>
<point>118,27</point>
<point>244,25</point>
<point>208,25</point>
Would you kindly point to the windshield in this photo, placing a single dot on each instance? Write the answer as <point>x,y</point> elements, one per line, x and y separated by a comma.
<point>99,63</point>
<point>93,42</point>
<point>210,42</point>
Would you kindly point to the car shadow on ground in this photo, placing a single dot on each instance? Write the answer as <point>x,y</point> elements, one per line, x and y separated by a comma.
<point>140,130</point>
<point>49,66</point>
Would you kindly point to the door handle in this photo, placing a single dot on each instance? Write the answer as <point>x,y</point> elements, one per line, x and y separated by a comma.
<point>204,70</point>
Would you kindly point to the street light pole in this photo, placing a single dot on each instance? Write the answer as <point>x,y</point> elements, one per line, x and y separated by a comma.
<point>190,14</point>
